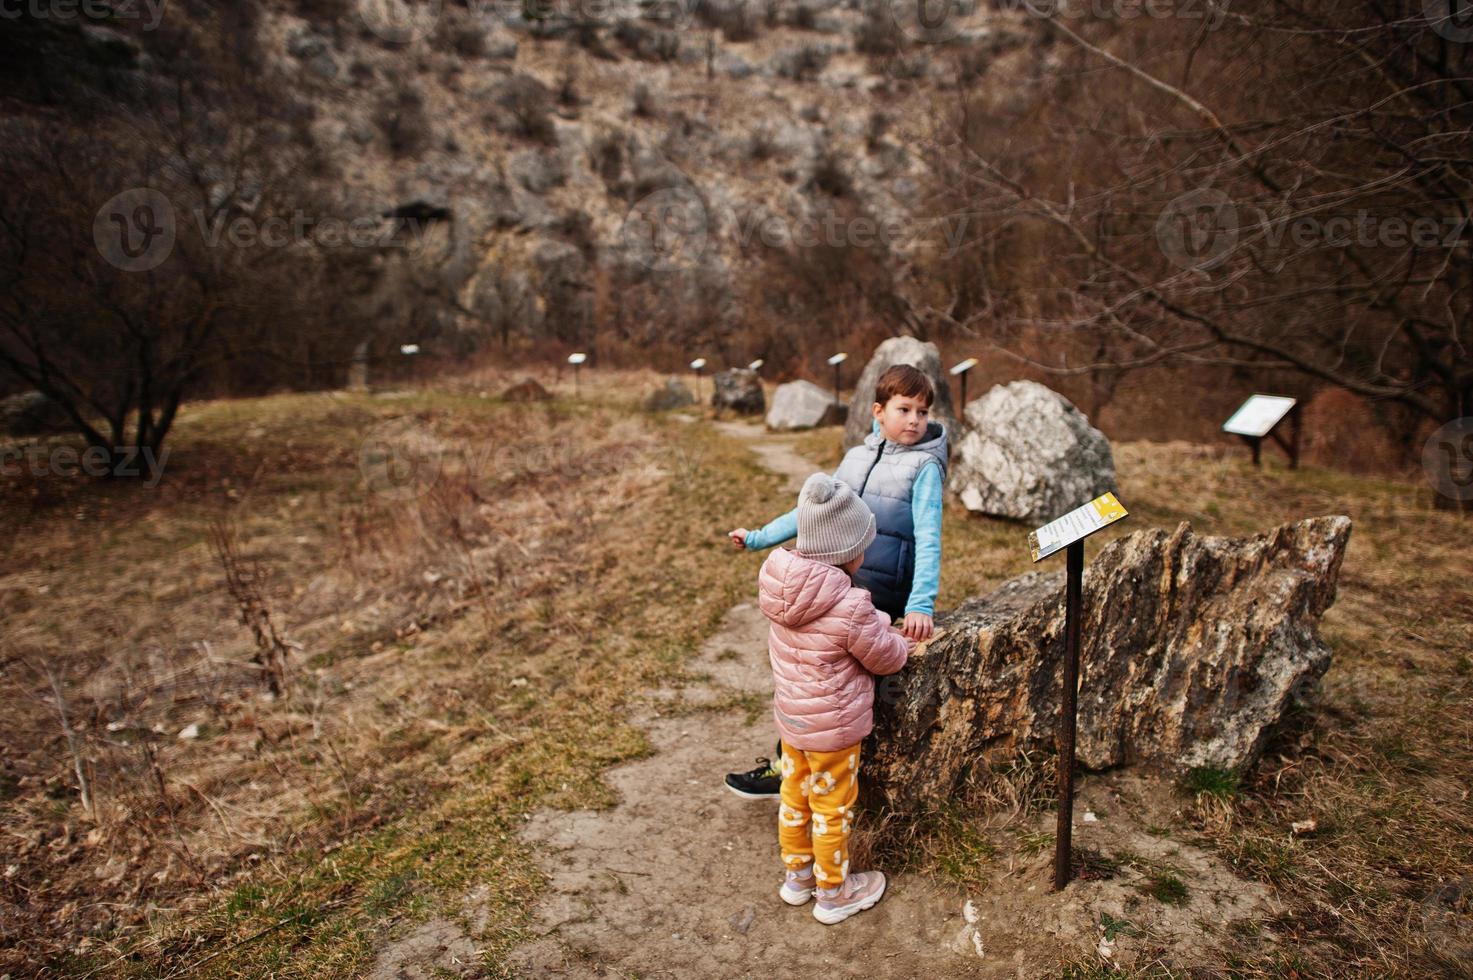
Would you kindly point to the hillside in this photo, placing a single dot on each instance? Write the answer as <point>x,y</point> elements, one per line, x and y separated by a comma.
<point>472,634</point>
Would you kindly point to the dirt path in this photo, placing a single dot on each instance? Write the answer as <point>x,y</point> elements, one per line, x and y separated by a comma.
<point>680,878</point>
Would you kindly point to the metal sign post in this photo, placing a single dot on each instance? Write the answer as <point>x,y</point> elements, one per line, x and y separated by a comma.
<point>1258,416</point>
<point>696,366</point>
<point>1068,534</point>
<point>576,360</point>
<point>960,370</point>
<point>836,360</point>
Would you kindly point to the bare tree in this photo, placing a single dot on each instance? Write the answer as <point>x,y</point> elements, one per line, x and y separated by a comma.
<point>1167,199</point>
<point>154,248</point>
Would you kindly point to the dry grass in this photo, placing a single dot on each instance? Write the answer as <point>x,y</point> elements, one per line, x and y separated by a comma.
<point>466,655</point>
<point>1382,759</point>
<point>463,654</point>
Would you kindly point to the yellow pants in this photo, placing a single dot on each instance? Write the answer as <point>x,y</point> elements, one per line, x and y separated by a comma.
<point>817,811</point>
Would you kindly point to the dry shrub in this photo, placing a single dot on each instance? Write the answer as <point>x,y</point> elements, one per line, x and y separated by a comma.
<point>414,595</point>
<point>1342,430</point>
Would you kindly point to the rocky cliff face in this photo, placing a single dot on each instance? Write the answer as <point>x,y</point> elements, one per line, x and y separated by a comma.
<point>579,147</point>
<point>1191,649</point>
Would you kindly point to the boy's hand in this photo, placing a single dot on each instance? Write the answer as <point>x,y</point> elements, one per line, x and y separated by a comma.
<point>918,626</point>
<point>739,538</point>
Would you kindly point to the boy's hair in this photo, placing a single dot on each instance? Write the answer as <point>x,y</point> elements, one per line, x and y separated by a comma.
<point>902,379</point>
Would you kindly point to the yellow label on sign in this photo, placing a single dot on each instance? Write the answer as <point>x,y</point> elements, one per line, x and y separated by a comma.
<point>1078,523</point>
<point>1109,508</point>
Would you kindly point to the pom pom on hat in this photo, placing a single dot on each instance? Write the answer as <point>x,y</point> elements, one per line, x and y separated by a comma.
<point>834,525</point>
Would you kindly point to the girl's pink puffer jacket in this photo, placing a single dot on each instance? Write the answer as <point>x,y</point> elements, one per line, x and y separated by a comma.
<point>826,642</point>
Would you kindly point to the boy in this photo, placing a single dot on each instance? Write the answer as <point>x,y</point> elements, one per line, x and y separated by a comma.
<point>899,472</point>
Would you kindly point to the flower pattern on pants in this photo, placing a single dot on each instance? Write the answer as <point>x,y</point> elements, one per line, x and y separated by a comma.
<point>817,813</point>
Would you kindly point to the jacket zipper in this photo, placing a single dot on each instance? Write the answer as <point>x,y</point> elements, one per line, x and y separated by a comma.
<point>875,462</point>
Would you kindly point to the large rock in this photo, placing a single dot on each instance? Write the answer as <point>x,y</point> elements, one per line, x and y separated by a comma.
<point>803,405</point>
<point>538,170</point>
<point>527,390</point>
<point>674,393</point>
<point>31,413</point>
<point>1029,454</point>
<point>739,389</point>
<point>1191,648</point>
<point>899,350</point>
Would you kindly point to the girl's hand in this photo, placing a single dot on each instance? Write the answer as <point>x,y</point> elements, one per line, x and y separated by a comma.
<point>739,538</point>
<point>918,626</point>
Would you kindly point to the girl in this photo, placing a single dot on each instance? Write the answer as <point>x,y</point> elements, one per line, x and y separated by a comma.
<point>826,643</point>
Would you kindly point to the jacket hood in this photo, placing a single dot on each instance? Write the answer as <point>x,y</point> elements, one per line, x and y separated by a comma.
<point>793,590</point>
<point>934,443</point>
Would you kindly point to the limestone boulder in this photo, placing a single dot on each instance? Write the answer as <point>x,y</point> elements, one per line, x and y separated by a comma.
<point>803,405</point>
<point>527,390</point>
<point>674,393</point>
<point>1191,650</point>
<point>739,389</point>
<point>32,413</point>
<point>1027,453</point>
<point>899,350</point>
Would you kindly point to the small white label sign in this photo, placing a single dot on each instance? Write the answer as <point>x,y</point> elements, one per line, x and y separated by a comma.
<point>1079,523</point>
<point>1256,416</point>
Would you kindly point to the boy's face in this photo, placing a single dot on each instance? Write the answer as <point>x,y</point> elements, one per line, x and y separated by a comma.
<point>903,419</point>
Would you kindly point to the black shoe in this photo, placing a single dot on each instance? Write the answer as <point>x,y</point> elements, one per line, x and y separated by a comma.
<point>762,783</point>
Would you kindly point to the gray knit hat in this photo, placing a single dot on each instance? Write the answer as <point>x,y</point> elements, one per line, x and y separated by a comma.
<point>834,525</point>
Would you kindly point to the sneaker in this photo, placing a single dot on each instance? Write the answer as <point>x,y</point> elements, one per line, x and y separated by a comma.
<point>798,888</point>
<point>764,782</point>
<point>860,890</point>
